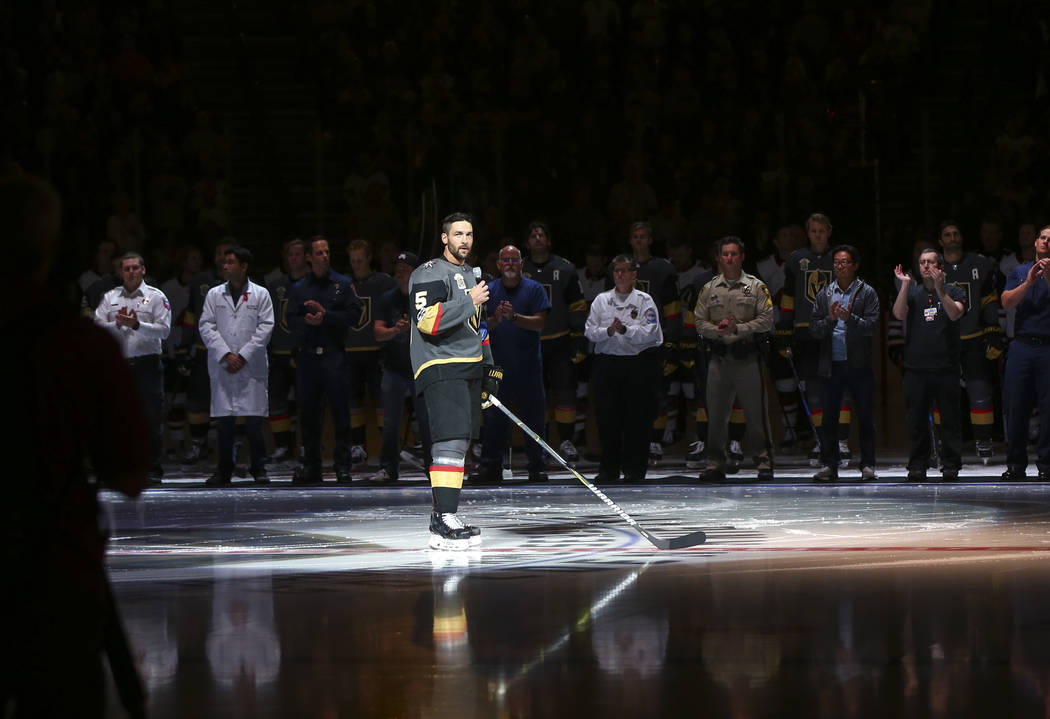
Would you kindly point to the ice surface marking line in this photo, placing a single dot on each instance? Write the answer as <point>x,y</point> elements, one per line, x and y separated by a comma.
<point>688,540</point>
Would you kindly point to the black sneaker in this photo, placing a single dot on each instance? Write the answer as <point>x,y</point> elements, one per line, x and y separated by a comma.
<point>307,475</point>
<point>448,533</point>
<point>1015,475</point>
<point>260,476</point>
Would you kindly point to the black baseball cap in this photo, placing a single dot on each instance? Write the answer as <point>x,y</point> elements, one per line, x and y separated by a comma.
<point>409,258</point>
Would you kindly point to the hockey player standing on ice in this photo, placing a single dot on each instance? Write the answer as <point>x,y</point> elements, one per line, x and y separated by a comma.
<point>982,337</point>
<point>452,368</point>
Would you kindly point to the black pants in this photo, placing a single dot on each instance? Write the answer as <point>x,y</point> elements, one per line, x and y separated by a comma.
<point>322,379</point>
<point>256,443</point>
<point>860,381</point>
<point>626,395</point>
<point>148,372</point>
<point>924,390</point>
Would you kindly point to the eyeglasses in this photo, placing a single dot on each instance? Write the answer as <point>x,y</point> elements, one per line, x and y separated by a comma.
<point>842,263</point>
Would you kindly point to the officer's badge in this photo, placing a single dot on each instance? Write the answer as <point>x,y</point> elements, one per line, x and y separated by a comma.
<point>459,281</point>
<point>634,314</point>
<point>746,290</point>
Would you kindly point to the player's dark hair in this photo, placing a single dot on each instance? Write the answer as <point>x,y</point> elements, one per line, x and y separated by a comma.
<point>731,240</point>
<point>446,224</point>
<point>853,252</point>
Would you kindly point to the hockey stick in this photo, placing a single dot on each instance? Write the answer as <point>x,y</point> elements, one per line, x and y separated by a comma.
<point>689,540</point>
<point>790,356</point>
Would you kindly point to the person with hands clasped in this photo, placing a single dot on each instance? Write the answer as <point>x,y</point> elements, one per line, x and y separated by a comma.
<point>139,316</point>
<point>1026,381</point>
<point>931,362</point>
<point>845,315</point>
<point>322,308</point>
<point>734,314</point>
<point>235,326</point>
<point>624,325</point>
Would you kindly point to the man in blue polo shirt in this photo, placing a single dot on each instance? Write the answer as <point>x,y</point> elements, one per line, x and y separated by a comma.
<point>517,309</point>
<point>1026,382</point>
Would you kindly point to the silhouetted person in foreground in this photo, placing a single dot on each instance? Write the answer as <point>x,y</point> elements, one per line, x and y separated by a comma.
<point>79,427</point>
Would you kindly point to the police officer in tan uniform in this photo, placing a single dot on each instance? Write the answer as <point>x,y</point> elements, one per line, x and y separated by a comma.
<point>732,312</point>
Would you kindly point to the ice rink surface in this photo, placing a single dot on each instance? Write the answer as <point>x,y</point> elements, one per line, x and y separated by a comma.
<point>843,600</point>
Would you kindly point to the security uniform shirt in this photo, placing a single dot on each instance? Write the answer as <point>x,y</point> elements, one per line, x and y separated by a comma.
<point>639,315</point>
<point>746,299</point>
<point>342,309</point>
<point>152,310</point>
<point>1032,318</point>
<point>390,307</point>
<point>361,337</point>
<point>449,336</point>
<point>932,341</point>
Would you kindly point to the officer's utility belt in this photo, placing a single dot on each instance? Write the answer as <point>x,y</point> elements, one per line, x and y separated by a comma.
<point>321,349</point>
<point>1034,340</point>
<point>736,350</point>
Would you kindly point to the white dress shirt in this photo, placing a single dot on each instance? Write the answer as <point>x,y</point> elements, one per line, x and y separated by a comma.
<point>637,313</point>
<point>152,310</point>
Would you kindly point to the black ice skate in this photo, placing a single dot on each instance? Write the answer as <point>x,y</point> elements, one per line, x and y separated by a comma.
<point>448,533</point>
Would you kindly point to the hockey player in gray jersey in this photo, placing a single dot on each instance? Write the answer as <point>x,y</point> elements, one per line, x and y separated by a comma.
<point>562,331</point>
<point>282,344</point>
<point>452,368</point>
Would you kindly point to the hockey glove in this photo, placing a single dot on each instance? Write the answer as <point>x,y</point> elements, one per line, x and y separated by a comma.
<point>490,383</point>
<point>994,345</point>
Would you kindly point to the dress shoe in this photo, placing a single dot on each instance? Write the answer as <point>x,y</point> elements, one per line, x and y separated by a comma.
<point>949,475</point>
<point>712,475</point>
<point>307,475</point>
<point>343,475</point>
<point>605,479</point>
<point>1044,475</point>
<point>260,476</point>
<point>765,474</point>
<point>916,476</point>
<point>1015,475</point>
<point>488,475</point>
<point>538,477</point>
<point>219,479</point>
<point>826,474</point>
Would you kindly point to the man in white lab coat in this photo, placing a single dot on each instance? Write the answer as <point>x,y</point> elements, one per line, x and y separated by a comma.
<point>235,326</point>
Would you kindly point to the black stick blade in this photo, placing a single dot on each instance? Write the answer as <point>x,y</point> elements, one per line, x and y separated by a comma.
<point>687,540</point>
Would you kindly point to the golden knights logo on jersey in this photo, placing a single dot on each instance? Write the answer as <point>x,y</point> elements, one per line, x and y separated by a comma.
<point>282,307</point>
<point>366,314</point>
<point>816,280</point>
<point>965,287</point>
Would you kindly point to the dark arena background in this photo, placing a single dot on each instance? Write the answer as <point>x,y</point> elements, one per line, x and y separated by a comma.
<point>170,125</point>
